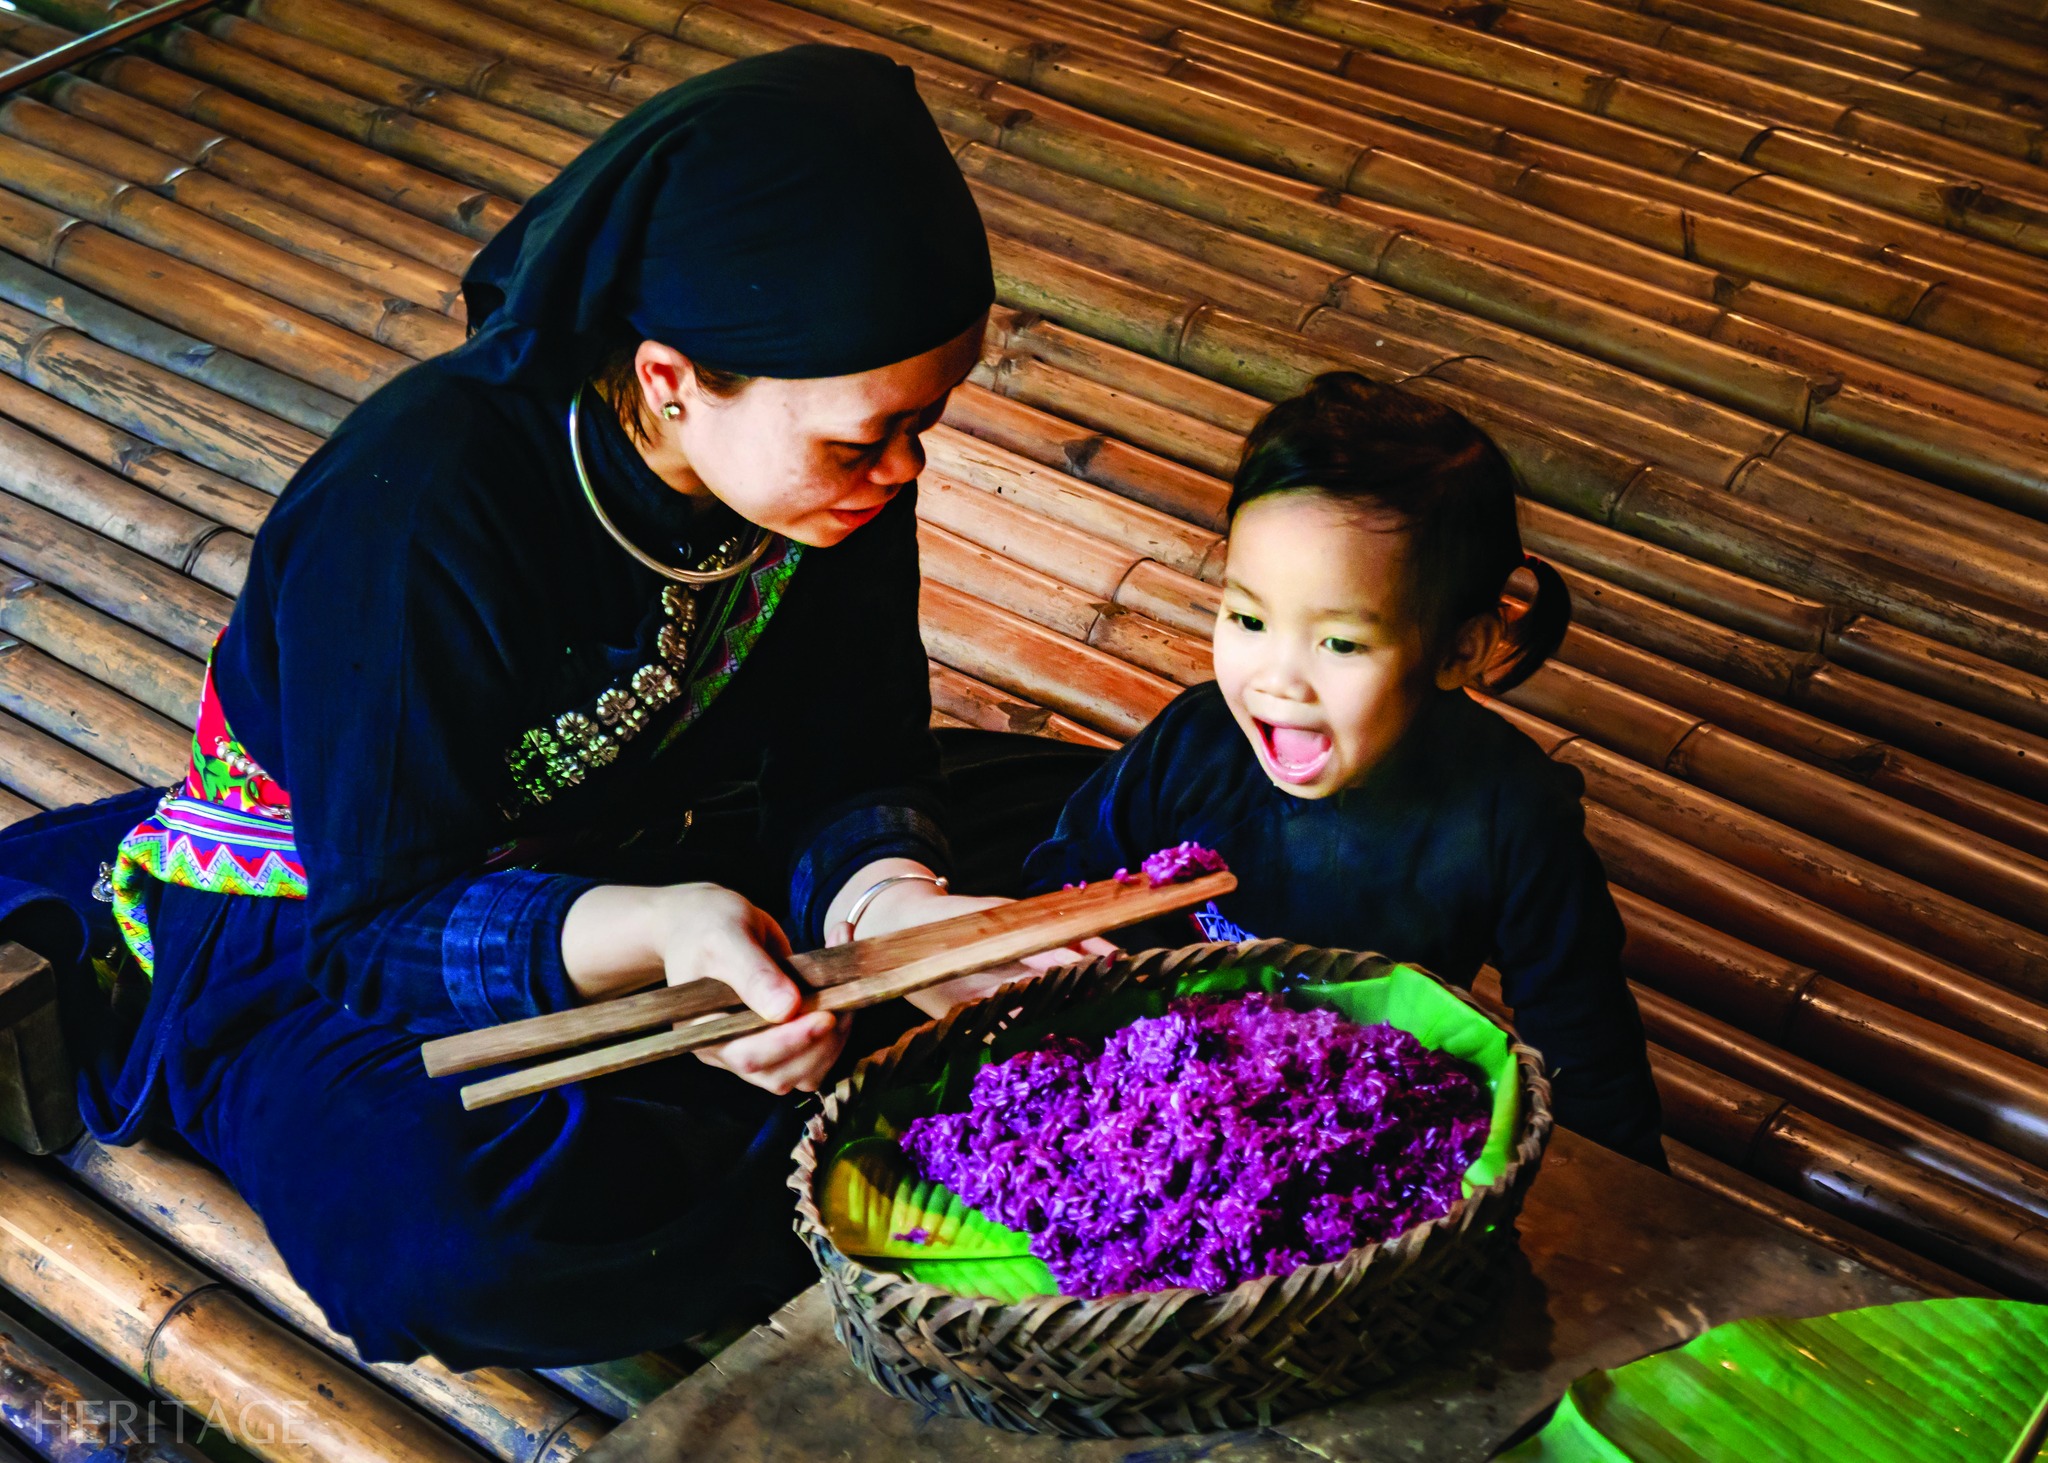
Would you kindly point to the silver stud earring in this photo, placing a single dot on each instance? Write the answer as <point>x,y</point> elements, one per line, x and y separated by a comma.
<point>671,410</point>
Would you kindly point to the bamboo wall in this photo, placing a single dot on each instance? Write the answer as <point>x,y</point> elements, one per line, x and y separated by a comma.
<point>1752,293</point>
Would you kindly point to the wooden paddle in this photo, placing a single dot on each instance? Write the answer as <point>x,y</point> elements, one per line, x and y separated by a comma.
<point>863,973</point>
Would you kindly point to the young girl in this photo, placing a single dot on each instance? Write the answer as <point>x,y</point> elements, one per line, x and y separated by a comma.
<point>1362,798</point>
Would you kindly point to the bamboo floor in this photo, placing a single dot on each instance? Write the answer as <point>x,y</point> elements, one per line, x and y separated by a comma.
<point>1755,296</point>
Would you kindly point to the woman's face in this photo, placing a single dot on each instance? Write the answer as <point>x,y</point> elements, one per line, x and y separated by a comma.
<point>813,459</point>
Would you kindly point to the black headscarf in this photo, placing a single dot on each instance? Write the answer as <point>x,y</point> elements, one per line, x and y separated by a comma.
<point>794,214</point>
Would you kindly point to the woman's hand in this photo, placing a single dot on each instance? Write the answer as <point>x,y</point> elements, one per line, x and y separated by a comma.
<point>617,934</point>
<point>919,902</point>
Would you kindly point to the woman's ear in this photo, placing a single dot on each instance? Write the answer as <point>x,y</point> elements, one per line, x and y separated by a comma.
<point>1477,643</point>
<point>665,377</point>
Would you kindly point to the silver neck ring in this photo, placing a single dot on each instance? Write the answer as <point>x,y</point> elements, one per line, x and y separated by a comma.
<point>666,571</point>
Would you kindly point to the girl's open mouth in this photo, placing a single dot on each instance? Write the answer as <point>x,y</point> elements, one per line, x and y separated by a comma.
<point>1295,753</point>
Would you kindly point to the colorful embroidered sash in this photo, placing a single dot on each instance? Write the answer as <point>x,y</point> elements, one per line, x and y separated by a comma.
<point>227,829</point>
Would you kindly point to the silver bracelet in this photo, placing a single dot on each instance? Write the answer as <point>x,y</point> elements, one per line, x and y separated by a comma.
<point>860,905</point>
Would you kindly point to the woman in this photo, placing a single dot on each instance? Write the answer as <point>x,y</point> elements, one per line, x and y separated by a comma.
<point>572,654</point>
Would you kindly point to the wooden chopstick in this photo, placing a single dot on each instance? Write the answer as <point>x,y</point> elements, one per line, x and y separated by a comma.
<point>990,937</point>
<point>863,973</point>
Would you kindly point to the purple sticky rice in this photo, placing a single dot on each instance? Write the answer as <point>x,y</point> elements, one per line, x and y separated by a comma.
<point>1227,1139</point>
<point>1182,862</point>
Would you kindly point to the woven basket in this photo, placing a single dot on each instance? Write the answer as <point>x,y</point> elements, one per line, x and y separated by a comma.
<point>1152,1363</point>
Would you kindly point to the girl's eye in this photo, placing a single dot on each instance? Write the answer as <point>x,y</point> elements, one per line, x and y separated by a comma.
<point>1342,647</point>
<point>1247,622</point>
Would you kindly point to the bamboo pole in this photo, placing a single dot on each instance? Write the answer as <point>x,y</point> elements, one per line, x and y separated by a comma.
<point>153,405</point>
<point>1851,1176</point>
<point>1800,1154</point>
<point>1983,145</point>
<point>363,260</point>
<point>297,415</point>
<point>1945,31</point>
<point>1701,589</point>
<point>1554,467</point>
<point>506,1413</point>
<point>1090,564</point>
<point>617,36</point>
<point>1667,354</point>
<point>1688,585</point>
<point>570,62</point>
<point>1811,1222</point>
<point>1150,533</point>
<point>448,153</point>
<point>96,645</point>
<point>36,471</point>
<point>213,495</point>
<point>1779,321</point>
<point>1511,56</point>
<point>49,774</point>
<point>220,155</point>
<point>69,1415</point>
<point>1134,639</point>
<point>1943,925</point>
<point>1046,228</point>
<point>1980,445</point>
<point>155,221</point>
<point>1954,675</point>
<point>1764,251</point>
<point>552,146</point>
<point>1567,144</point>
<point>1812,926</point>
<point>1194,397</point>
<point>1712,890</point>
<point>1575,149</point>
<point>1802,1218</point>
<point>1096,566</point>
<point>1538,126</point>
<point>1294,274</point>
<point>191,298</point>
<point>116,581</point>
<point>1801,35</point>
<point>1026,659</point>
<point>82,713</point>
<point>1784,699</point>
<point>352,32</point>
<point>167,1323</point>
<point>33,69</point>
<point>1852,817</point>
<point>1762,1063</point>
<point>459,207</point>
<point>1033,410</point>
<point>976,704</point>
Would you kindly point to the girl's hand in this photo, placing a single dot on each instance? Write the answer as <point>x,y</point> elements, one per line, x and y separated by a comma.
<point>616,935</point>
<point>915,902</point>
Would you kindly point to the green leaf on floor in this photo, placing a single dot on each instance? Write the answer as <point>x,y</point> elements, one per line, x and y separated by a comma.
<point>1935,1381</point>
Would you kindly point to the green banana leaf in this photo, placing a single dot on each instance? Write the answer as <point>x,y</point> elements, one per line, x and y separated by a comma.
<point>878,1209</point>
<point>1934,1381</point>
